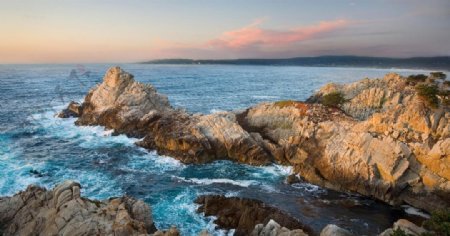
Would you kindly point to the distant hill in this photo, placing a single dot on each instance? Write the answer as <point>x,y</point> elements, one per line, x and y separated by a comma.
<point>430,63</point>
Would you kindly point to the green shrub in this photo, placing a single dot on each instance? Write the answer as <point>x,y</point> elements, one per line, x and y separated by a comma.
<point>399,232</point>
<point>414,79</point>
<point>439,222</point>
<point>438,75</point>
<point>428,93</point>
<point>333,99</point>
<point>285,103</point>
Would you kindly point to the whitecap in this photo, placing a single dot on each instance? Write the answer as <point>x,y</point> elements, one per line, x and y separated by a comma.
<point>212,111</point>
<point>308,187</point>
<point>414,211</point>
<point>242,183</point>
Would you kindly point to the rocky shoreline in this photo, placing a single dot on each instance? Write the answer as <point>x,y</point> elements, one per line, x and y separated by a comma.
<point>63,211</point>
<point>387,139</point>
<point>380,139</point>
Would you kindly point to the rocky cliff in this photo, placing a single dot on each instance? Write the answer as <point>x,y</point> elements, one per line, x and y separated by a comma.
<point>385,138</point>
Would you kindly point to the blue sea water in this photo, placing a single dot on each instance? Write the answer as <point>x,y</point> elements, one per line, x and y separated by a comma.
<point>37,148</point>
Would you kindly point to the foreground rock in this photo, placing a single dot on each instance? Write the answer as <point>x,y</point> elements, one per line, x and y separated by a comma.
<point>272,228</point>
<point>244,214</point>
<point>62,211</point>
<point>382,141</point>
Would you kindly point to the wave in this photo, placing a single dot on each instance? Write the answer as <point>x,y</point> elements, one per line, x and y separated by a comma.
<point>414,211</point>
<point>242,183</point>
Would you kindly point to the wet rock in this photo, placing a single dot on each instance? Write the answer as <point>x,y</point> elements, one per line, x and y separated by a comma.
<point>62,211</point>
<point>292,179</point>
<point>244,214</point>
<point>334,230</point>
<point>74,109</point>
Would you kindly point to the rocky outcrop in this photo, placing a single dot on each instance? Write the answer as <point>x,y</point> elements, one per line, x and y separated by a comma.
<point>272,228</point>
<point>244,214</point>
<point>74,109</point>
<point>407,227</point>
<point>383,141</point>
<point>62,211</point>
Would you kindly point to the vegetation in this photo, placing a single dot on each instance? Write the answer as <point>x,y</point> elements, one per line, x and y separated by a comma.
<point>439,223</point>
<point>399,232</point>
<point>285,103</point>
<point>428,93</point>
<point>333,99</point>
<point>415,79</point>
<point>438,75</point>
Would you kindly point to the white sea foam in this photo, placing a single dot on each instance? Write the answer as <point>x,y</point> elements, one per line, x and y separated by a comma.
<point>85,136</point>
<point>242,183</point>
<point>414,211</point>
<point>212,111</point>
<point>273,170</point>
<point>308,187</point>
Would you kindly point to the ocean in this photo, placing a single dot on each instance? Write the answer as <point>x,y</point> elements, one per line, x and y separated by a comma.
<point>37,148</point>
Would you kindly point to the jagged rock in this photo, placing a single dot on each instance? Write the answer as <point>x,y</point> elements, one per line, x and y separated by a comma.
<point>62,211</point>
<point>334,230</point>
<point>243,214</point>
<point>272,228</point>
<point>173,231</point>
<point>408,227</point>
<point>74,109</point>
<point>384,142</point>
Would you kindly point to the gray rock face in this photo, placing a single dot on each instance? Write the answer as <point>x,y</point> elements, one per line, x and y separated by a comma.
<point>62,211</point>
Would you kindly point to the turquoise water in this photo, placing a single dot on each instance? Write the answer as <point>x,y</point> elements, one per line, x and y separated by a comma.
<point>37,148</point>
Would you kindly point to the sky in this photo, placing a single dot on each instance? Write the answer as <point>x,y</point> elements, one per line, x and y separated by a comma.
<point>88,31</point>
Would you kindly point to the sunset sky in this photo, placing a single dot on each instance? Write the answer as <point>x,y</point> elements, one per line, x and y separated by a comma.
<point>130,31</point>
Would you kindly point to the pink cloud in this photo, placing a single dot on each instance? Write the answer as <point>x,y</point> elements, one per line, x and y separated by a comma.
<point>254,36</point>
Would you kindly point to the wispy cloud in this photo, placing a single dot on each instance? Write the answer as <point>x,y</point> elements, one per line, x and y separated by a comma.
<point>255,36</point>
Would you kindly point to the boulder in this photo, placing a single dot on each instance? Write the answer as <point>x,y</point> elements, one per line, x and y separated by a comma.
<point>74,109</point>
<point>406,226</point>
<point>272,228</point>
<point>62,211</point>
<point>334,230</point>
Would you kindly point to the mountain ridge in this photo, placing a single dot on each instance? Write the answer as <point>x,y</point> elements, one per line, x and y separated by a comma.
<point>432,63</point>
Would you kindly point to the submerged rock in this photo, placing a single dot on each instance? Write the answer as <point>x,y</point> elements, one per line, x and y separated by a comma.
<point>62,211</point>
<point>383,141</point>
<point>74,109</point>
<point>244,214</point>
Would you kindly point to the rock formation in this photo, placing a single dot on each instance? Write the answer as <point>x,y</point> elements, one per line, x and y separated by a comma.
<point>384,141</point>
<point>243,214</point>
<point>62,211</point>
<point>272,228</point>
<point>408,227</point>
